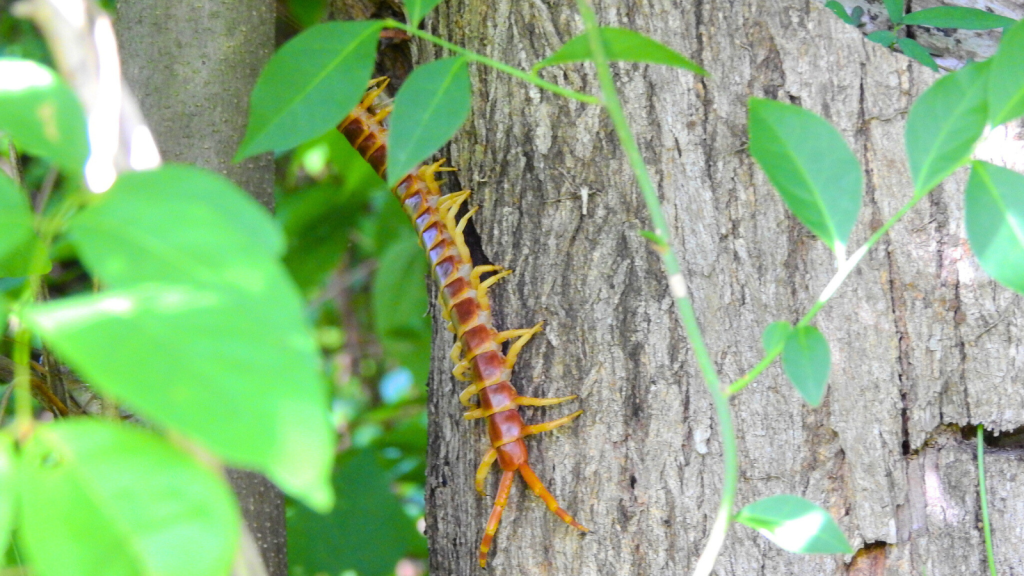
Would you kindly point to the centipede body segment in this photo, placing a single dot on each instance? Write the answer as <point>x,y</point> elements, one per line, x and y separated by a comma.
<point>477,354</point>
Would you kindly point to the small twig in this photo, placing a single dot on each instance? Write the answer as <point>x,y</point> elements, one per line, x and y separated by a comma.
<point>12,154</point>
<point>46,189</point>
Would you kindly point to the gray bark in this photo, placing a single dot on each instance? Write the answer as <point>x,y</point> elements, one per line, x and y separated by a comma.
<point>192,66</point>
<point>922,342</point>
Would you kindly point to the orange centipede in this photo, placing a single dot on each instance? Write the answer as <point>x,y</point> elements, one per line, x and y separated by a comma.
<point>477,353</point>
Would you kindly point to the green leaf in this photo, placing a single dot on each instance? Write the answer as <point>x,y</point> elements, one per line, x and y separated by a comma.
<point>994,206</point>
<point>810,165</point>
<point>806,361</point>
<point>307,12</point>
<point>100,498</point>
<point>944,124</point>
<point>775,335</point>
<point>212,324</point>
<point>620,45</point>
<point>853,19</point>
<point>353,536</point>
<point>41,113</point>
<point>429,108</point>
<point>400,304</point>
<point>8,492</point>
<point>415,10</point>
<point>895,9</point>
<point>958,17</point>
<point>914,50</point>
<point>21,253</point>
<point>1006,79</point>
<point>884,37</point>
<point>309,85</point>
<point>795,525</point>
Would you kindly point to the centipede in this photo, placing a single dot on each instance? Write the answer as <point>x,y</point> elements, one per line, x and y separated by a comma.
<point>477,355</point>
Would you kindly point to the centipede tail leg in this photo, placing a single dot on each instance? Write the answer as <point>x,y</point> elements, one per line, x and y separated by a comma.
<point>500,501</point>
<point>538,488</point>
<point>528,401</point>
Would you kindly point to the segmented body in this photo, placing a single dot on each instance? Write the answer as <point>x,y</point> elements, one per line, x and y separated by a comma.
<point>477,354</point>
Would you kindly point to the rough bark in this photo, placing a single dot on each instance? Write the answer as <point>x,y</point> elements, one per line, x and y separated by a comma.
<point>192,66</point>
<point>922,342</point>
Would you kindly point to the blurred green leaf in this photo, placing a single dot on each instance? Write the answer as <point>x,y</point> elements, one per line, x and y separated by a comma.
<point>42,114</point>
<point>1006,78</point>
<point>307,12</point>
<point>400,306</point>
<point>774,335</point>
<point>429,108</point>
<point>204,310</point>
<point>994,215</point>
<point>367,530</point>
<point>100,498</point>
<point>8,489</point>
<point>416,10</point>
<point>853,18</point>
<point>810,165</point>
<point>944,124</point>
<point>795,525</point>
<point>20,250</point>
<point>914,50</point>
<point>884,37</point>
<point>806,361</point>
<point>958,17</point>
<point>620,45</point>
<point>309,85</point>
<point>895,8</point>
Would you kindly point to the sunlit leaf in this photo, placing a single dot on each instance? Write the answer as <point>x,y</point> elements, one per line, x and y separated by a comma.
<point>958,17</point>
<point>429,108</point>
<point>415,10</point>
<point>774,336</point>
<point>810,165</point>
<point>884,37</point>
<point>400,306</point>
<point>994,214</point>
<point>620,45</point>
<point>100,498</point>
<point>1006,78</point>
<point>895,8</point>
<point>309,85</point>
<point>366,532</point>
<point>853,18</point>
<point>806,361</point>
<point>944,124</point>
<point>795,525</point>
<point>914,50</point>
<point>41,113</point>
<point>8,490</point>
<point>21,253</point>
<point>203,308</point>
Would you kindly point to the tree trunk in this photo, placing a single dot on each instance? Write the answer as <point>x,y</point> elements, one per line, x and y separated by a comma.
<point>923,343</point>
<point>192,66</point>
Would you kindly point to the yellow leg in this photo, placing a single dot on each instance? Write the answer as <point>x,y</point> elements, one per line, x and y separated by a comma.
<point>468,393</point>
<point>445,313</point>
<point>380,83</point>
<point>384,112</point>
<point>460,371</point>
<point>524,337</point>
<point>484,469</point>
<point>481,288</point>
<point>450,205</point>
<point>546,426</point>
<point>481,413</point>
<point>528,401</point>
<point>465,220</point>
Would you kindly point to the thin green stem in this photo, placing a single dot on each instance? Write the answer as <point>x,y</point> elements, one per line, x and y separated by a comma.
<point>22,383</point>
<point>989,553</point>
<point>844,271</point>
<point>501,66</point>
<point>677,286</point>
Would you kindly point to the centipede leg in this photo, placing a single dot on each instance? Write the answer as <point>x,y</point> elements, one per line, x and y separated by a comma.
<point>524,336</point>
<point>484,469</point>
<point>481,287</point>
<point>529,401</point>
<point>546,426</point>
<point>538,488</point>
<point>500,501</point>
<point>445,313</point>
